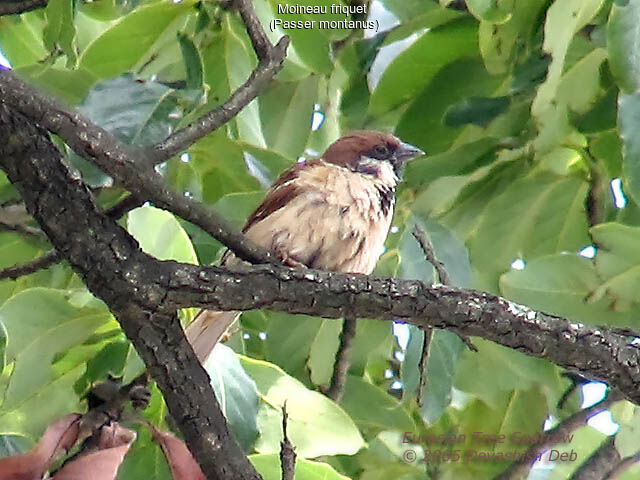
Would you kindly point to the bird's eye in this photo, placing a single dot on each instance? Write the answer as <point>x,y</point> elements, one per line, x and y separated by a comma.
<point>382,151</point>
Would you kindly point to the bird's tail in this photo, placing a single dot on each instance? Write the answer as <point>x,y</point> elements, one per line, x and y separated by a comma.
<point>206,329</point>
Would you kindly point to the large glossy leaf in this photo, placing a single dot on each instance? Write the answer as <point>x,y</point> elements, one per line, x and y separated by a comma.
<point>499,41</point>
<point>493,11</point>
<point>60,31</point>
<point>160,234</point>
<point>618,247</point>
<point>564,19</point>
<point>216,167</point>
<point>240,61</point>
<point>286,110</point>
<point>20,40</point>
<point>414,68</point>
<point>236,393</point>
<point>131,41</point>
<point>563,284</point>
<point>316,426</point>
<point>423,124</point>
<point>35,337</point>
<point>137,111</point>
<point>623,37</point>
<point>537,215</point>
<point>70,85</point>
<point>628,123</point>
<point>384,412</point>
<point>517,372</point>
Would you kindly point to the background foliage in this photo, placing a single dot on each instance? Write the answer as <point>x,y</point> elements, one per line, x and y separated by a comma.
<point>529,116</point>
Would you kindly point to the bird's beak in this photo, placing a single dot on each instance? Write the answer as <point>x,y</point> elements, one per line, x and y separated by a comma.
<point>406,152</point>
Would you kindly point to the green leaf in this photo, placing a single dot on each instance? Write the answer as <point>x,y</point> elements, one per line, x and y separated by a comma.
<point>423,124</point>
<point>517,372</point>
<point>561,284</point>
<point>60,30</point>
<point>138,112</point>
<point>618,246</point>
<point>129,43</point>
<point>268,465</point>
<point>160,235</point>
<point>21,41</point>
<point>623,37</point>
<point>236,207</point>
<point>455,161</point>
<point>286,110</point>
<point>414,68</point>
<point>628,123</point>
<point>316,426</point>
<point>50,401</point>
<point>236,393</point>
<point>289,341</point>
<point>14,249</point>
<point>192,62</point>
<point>536,215</point>
<point>240,60</point>
<point>477,110</point>
<point>383,412</point>
<point>499,42</point>
<point>493,11</point>
<point>33,339</point>
<point>564,19</point>
<point>467,209</point>
<point>322,352</point>
<point>442,359</point>
<point>70,85</point>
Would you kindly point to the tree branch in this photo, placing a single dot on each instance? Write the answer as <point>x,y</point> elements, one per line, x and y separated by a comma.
<point>112,266</point>
<point>342,362</point>
<point>51,258</point>
<point>122,163</point>
<point>519,469</point>
<point>17,7</point>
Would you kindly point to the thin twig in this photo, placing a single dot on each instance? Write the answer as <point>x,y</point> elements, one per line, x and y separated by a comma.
<point>122,162</point>
<point>32,232</point>
<point>623,466</point>
<point>443,276</point>
<point>52,257</point>
<point>342,363</point>
<point>45,261</point>
<point>549,438</point>
<point>427,248</point>
<point>270,58</point>
<point>422,364</point>
<point>599,463</point>
<point>13,8</point>
<point>287,450</point>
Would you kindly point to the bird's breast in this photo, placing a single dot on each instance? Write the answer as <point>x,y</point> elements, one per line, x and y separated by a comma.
<point>338,220</point>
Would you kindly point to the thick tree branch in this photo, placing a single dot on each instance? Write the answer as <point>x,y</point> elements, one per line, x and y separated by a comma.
<point>598,353</point>
<point>113,267</point>
<point>17,7</point>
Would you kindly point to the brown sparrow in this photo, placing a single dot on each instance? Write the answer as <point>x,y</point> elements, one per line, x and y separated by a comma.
<point>331,213</point>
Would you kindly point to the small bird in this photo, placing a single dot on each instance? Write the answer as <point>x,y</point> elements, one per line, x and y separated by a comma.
<point>330,213</point>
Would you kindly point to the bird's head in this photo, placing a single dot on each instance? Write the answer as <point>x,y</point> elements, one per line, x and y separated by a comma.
<point>367,151</point>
